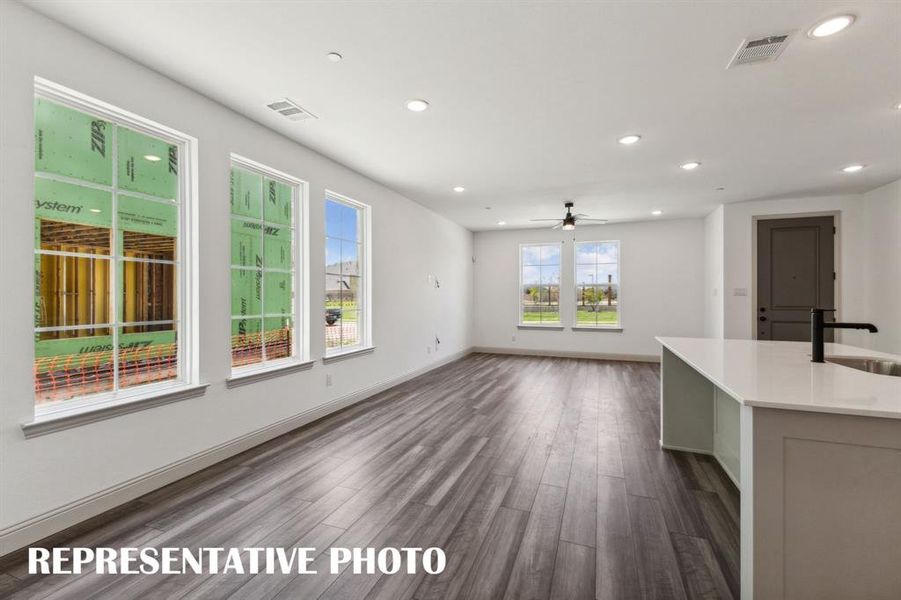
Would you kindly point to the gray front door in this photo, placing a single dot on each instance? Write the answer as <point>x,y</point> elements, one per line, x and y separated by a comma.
<point>795,272</point>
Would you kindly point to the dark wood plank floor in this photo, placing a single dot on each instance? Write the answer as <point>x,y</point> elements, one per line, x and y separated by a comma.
<point>540,477</point>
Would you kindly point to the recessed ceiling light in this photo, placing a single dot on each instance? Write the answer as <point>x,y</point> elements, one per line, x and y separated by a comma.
<point>334,57</point>
<point>830,26</point>
<point>459,189</point>
<point>656,213</point>
<point>96,210</point>
<point>898,106</point>
<point>152,157</point>
<point>417,105</point>
<point>502,223</point>
<point>690,166</point>
<point>629,139</point>
<point>852,168</point>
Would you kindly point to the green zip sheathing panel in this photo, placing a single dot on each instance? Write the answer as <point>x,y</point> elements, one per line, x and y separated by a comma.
<point>78,146</point>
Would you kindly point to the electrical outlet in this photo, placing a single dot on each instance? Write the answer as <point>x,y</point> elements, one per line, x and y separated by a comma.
<point>328,380</point>
<point>513,337</point>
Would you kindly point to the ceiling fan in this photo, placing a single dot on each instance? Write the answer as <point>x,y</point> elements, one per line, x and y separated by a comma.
<point>569,220</point>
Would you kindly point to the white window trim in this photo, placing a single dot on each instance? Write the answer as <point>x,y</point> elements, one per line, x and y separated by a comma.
<point>268,370</point>
<point>576,326</point>
<point>551,325</point>
<point>187,332</point>
<point>90,409</point>
<point>355,351</point>
<point>300,276</point>
<point>366,345</point>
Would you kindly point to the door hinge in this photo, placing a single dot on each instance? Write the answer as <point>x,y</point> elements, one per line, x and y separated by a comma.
<point>833,276</point>
<point>834,231</point>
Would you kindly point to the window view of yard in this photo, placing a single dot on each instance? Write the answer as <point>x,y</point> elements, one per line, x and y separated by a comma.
<point>596,289</point>
<point>349,309</point>
<point>597,284</point>
<point>540,284</point>
<point>604,317</point>
<point>343,244</point>
<point>341,323</point>
<point>538,317</point>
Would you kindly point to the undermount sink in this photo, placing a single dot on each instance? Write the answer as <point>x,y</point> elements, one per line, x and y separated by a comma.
<point>880,366</point>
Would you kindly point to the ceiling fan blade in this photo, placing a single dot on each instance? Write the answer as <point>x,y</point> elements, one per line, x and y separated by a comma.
<point>557,226</point>
<point>599,220</point>
<point>544,219</point>
<point>580,215</point>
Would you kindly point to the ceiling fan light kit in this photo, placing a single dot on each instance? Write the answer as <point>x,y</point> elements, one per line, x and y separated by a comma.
<point>569,220</point>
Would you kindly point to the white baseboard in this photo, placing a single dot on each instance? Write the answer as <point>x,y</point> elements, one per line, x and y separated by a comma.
<point>651,358</point>
<point>728,472</point>
<point>21,534</point>
<point>685,449</point>
<point>708,453</point>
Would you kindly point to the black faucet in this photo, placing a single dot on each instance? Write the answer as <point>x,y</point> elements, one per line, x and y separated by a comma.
<point>817,325</point>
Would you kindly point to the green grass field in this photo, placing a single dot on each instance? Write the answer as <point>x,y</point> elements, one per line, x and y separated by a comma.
<point>583,317</point>
<point>348,311</point>
<point>533,317</point>
<point>603,317</point>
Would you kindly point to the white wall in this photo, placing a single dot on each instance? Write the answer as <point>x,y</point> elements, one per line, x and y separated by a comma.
<point>882,269</point>
<point>713,273</point>
<point>40,475</point>
<point>662,265</point>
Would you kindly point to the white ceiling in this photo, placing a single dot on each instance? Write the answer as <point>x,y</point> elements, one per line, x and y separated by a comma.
<point>528,98</point>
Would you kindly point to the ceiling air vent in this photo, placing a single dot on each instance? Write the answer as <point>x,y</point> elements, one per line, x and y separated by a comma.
<point>764,49</point>
<point>291,110</point>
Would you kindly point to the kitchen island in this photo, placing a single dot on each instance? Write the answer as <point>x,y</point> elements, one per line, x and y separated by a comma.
<point>815,450</point>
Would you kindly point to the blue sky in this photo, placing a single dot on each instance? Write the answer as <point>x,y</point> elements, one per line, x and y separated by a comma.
<point>340,221</point>
<point>342,233</point>
<point>596,263</point>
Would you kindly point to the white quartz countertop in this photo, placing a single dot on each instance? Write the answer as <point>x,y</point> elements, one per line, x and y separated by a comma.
<point>780,375</point>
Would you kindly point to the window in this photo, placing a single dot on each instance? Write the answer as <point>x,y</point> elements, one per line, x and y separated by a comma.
<point>539,276</point>
<point>597,284</point>
<point>264,265</point>
<point>110,234</point>
<point>346,275</point>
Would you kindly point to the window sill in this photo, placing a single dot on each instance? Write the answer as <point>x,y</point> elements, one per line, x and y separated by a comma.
<point>347,354</point>
<point>116,406</point>
<point>548,327</point>
<point>246,375</point>
<point>616,329</point>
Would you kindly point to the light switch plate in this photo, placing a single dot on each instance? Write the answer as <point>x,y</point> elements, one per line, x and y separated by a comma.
<point>740,292</point>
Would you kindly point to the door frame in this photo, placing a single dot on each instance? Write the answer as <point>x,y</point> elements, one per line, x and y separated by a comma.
<point>836,259</point>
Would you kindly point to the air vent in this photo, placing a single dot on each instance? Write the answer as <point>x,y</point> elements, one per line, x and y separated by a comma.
<point>763,49</point>
<point>291,110</point>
